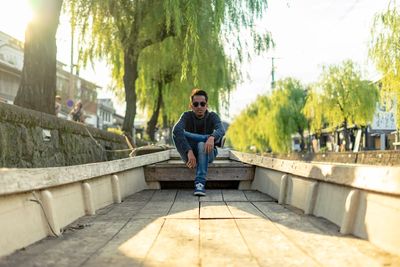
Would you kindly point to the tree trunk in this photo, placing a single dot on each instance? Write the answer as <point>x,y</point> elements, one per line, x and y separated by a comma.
<point>346,136</point>
<point>37,89</point>
<point>302,142</point>
<point>151,125</point>
<point>130,76</point>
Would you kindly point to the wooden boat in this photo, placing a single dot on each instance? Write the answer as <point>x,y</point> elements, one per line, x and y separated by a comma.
<point>280,212</point>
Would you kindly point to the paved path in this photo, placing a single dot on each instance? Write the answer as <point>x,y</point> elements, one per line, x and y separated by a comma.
<point>225,228</point>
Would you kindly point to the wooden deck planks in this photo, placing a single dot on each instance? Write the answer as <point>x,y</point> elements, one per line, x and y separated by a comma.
<point>269,246</point>
<point>174,228</point>
<point>320,245</point>
<point>233,195</point>
<point>253,195</point>
<point>221,244</point>
<point>214,210</point>
<point>212,195</point>
<point>241,210</point>
<point>186,206</point>
<point>130,246</point>
<point>176,245</point>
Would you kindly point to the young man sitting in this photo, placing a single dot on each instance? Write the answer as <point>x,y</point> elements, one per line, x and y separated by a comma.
<point>196,135</point>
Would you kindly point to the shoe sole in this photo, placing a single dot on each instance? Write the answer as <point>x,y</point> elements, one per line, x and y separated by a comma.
<point>199,194</point>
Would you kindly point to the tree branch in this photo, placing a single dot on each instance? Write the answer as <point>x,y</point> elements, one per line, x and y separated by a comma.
<point>160,36</point>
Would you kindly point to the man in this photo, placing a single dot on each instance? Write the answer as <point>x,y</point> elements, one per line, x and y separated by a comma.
<point>57,107</point>
<point>195,136</point>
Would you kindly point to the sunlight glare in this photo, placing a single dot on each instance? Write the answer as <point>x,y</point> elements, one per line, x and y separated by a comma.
<point>15,16</point>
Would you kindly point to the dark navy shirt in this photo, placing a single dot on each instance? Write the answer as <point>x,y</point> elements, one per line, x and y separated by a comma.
<point>210,124</point>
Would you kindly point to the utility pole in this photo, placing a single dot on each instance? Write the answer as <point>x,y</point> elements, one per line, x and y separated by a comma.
<point>273,72</point>
<point>71,90</point>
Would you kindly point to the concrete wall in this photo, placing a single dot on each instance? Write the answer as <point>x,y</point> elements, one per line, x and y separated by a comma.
<point>22,144</point>
<point>65,193</point>
<point>362,200</point>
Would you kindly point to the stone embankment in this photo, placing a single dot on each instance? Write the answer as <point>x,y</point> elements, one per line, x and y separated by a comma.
<point>31,139</point>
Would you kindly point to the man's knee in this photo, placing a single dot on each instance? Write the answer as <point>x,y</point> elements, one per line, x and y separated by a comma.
<point>200,146</point>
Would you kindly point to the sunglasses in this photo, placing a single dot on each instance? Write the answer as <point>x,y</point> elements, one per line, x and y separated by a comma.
<point>196,104</point>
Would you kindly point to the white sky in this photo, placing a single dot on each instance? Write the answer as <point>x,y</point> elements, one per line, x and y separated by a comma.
<point>307,33</point>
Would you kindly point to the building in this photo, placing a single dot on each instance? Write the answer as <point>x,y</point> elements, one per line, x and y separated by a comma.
<point>105,114</point>
<point>70,87</point>
<point>11,62</point>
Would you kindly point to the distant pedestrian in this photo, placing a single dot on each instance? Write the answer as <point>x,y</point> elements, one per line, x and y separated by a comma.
<point>77,112</point>
<point>57,108</point>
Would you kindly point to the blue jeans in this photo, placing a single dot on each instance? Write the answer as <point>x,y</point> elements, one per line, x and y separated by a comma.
<point>197,142</point>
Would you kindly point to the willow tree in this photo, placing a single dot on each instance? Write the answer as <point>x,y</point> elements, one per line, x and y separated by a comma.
<point>37,88</point>
<point>314,110</point>
<point>249,130</point>
<point>285,117</point>
<point>348,99</point>
<point>121,30</point>
<point>161,84</point>
<point>385,50</point>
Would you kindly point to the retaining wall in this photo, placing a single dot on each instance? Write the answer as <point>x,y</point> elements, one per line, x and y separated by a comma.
<point>31,139</point>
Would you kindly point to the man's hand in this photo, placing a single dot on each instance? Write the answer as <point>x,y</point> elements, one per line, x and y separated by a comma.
<point>209,145</point>
<point>191,163</point>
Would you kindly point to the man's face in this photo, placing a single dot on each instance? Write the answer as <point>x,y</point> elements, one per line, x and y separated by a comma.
<point>199,105</point>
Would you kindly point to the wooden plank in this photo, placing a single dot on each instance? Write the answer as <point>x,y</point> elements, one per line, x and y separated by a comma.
<point>215,173</point>
<point>221,244</point>
<point>233,195</point>
<point>214,164</point>
<point>176,245</point>
<point>254,195</point>
<point>270,247</point>
<point>186,206</point>
<point>222,153</point>
<point>21,180</point>
<point>214,210</point>
<point>130,246</point>
<point>383,179</point>
<point>159,205</point>
<point>84,238</point>
<point>321,245</point>
<point>244,210</point>
<point>212,195</point>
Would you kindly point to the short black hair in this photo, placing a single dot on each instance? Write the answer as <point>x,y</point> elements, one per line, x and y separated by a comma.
<point>197,91</point>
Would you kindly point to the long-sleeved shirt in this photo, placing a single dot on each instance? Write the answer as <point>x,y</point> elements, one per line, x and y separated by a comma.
<point>209,124</point>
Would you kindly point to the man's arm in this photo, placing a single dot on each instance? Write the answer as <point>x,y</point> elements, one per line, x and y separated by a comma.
<point>219,130</point>
<point>216,135</point>
<point>179,136</point>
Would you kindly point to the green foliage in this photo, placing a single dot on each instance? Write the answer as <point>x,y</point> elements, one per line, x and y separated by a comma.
<point>117,30</point>
<point>270,121</point>
<point>286,117</point>
<point>346,97</point>
<point>161,63</point>
<point>385,49</point>
<point>248,132</point>
<point>314,110</point>
<point>115,130</point>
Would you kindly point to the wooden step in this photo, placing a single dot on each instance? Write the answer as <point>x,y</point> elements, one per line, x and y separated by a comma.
<point>222,154</point>
<point>219,170</point>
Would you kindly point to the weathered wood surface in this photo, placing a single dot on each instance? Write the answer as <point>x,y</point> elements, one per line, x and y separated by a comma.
<point>382,179</point>
<point>222,154</point>
<point>21,180</point>
<point>219,170</point>
<point>175,228</point>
